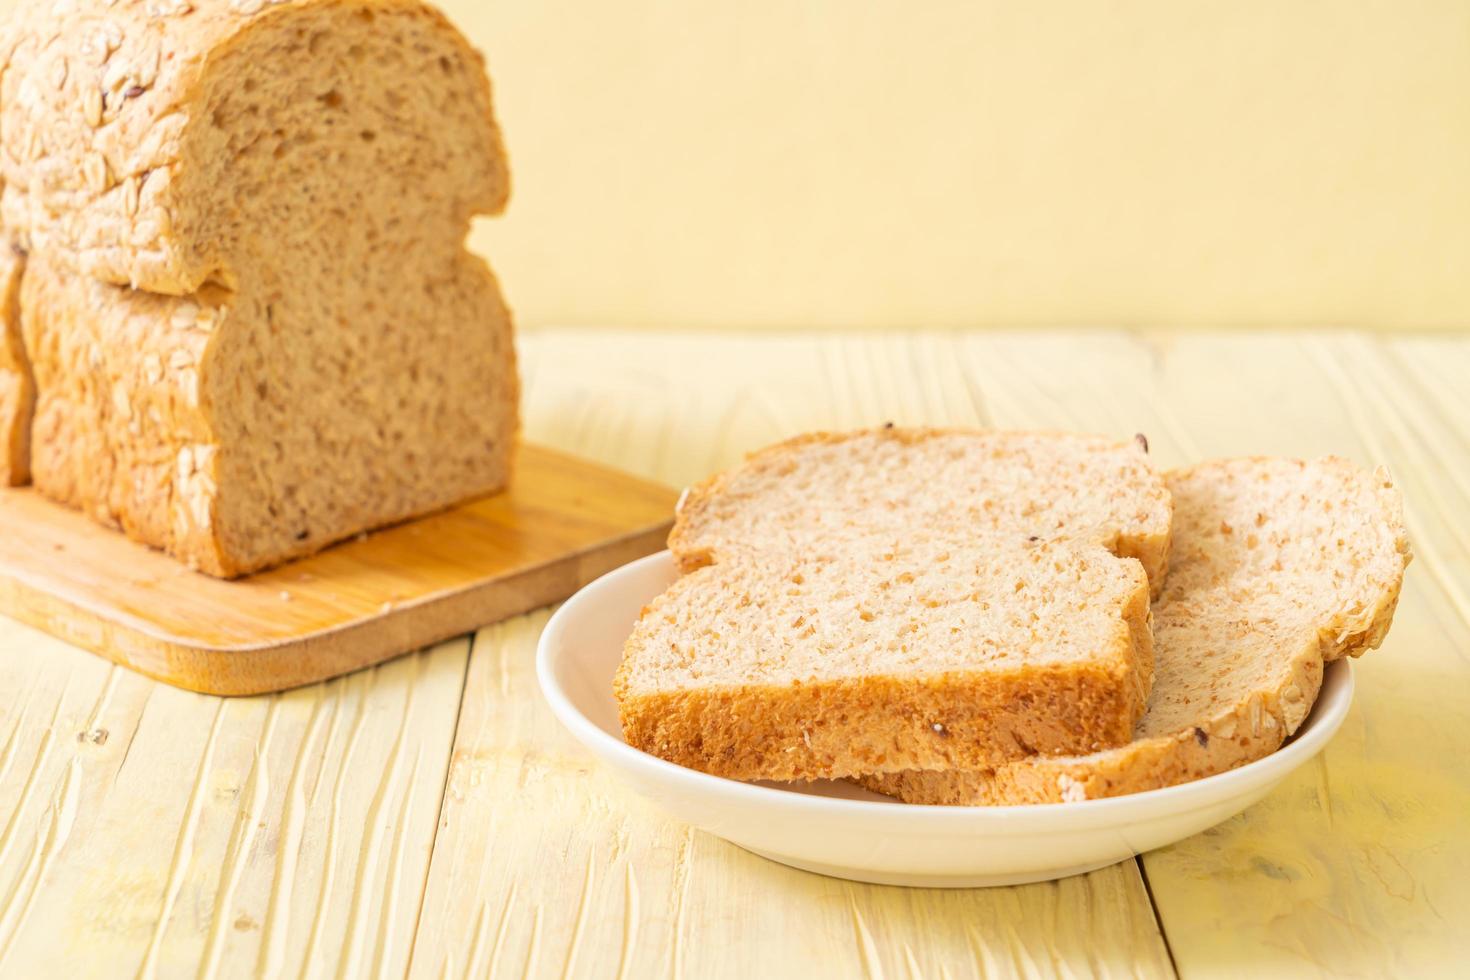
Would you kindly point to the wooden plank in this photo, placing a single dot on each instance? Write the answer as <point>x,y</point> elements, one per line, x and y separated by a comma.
<point>55,730</point>
<point>563,522</point>
<point>1355,864</point>
<point>545,865</point>
<point>168,833</point>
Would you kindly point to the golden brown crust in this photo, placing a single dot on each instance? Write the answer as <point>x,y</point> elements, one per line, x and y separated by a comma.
<point>17,387</point>
<point>840,728</point>
<point>1248,732</point>
<point>108,371</point>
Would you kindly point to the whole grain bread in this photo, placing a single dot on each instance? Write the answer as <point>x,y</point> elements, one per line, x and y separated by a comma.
<point>814,491</point>
<point>17,388</point>
<point>886,655</point>
<point>249,314</point>
<point>1277,566</point>
<point>179,420</point>
<point>893,598</point>
<point>168,144</point>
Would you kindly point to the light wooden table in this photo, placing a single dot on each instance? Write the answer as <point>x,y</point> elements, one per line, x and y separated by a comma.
<point>430,817</point>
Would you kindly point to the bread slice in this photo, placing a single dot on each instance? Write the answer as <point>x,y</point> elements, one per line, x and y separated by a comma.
<point>184,422</point>
<point>17,390</point>
<point>897,598</point>
<point>169,144</point>
<point>1277,566</point>
<point>816,489</point>
<point>251,320</point>
<point>886,654</point>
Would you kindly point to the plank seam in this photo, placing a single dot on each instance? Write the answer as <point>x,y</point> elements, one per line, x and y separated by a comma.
<point>1153,904</point>
<point>464,683</point>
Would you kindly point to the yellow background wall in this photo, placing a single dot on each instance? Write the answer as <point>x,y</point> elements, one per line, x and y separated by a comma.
<point>939,162</point>
<point>854,162</point>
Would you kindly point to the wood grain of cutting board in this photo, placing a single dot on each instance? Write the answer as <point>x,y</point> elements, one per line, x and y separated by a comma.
<point>563,522</point>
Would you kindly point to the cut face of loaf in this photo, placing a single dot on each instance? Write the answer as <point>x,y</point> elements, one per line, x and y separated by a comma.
<point>17,389</point>
<point>815,492</point>
<point>251,320</point>
<point>912,651</point>
<point>1277,566</point>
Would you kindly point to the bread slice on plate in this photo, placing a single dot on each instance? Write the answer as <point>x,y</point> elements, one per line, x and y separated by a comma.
<point>17,390</point>
<point>897,599</point>
<point>816,491</point>
<point>1277,566</point>
<point>887,657</point>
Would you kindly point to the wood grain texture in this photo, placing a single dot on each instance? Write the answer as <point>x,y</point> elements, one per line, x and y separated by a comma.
<point>156,832</point>
<point>429,817</point>
<point>1359,863</point>
<point>562,523</point>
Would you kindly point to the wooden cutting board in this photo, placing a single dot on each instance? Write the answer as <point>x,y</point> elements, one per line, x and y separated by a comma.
<point>563,522</point>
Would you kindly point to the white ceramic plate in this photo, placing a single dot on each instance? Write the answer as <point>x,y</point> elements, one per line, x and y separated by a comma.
<point>839,829</point>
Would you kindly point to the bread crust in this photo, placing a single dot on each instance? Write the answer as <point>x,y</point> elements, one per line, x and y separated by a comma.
<point>888,723</point>
<point>1230,736</point>
<point>1242,734</point>
<point>17,387</point>
<point>105,370</point>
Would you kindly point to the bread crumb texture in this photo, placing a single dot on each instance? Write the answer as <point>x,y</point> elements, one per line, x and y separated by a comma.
<point>898,599</point>
<point>815,491</point>
<point>1277,566</point>
<point>247,310</point>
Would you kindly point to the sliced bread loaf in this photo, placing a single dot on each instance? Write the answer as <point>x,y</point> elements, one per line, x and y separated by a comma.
<point>17,389</point>
<point>856,600</point>
<point>814,491</point>
<point>1276,566</point>
<point>250,317</point>
<point>886,654</point>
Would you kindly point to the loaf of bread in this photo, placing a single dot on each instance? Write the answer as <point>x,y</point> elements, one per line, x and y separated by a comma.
<point>248,312</point>
<point>894,599</point>
<point>1277,566</point>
